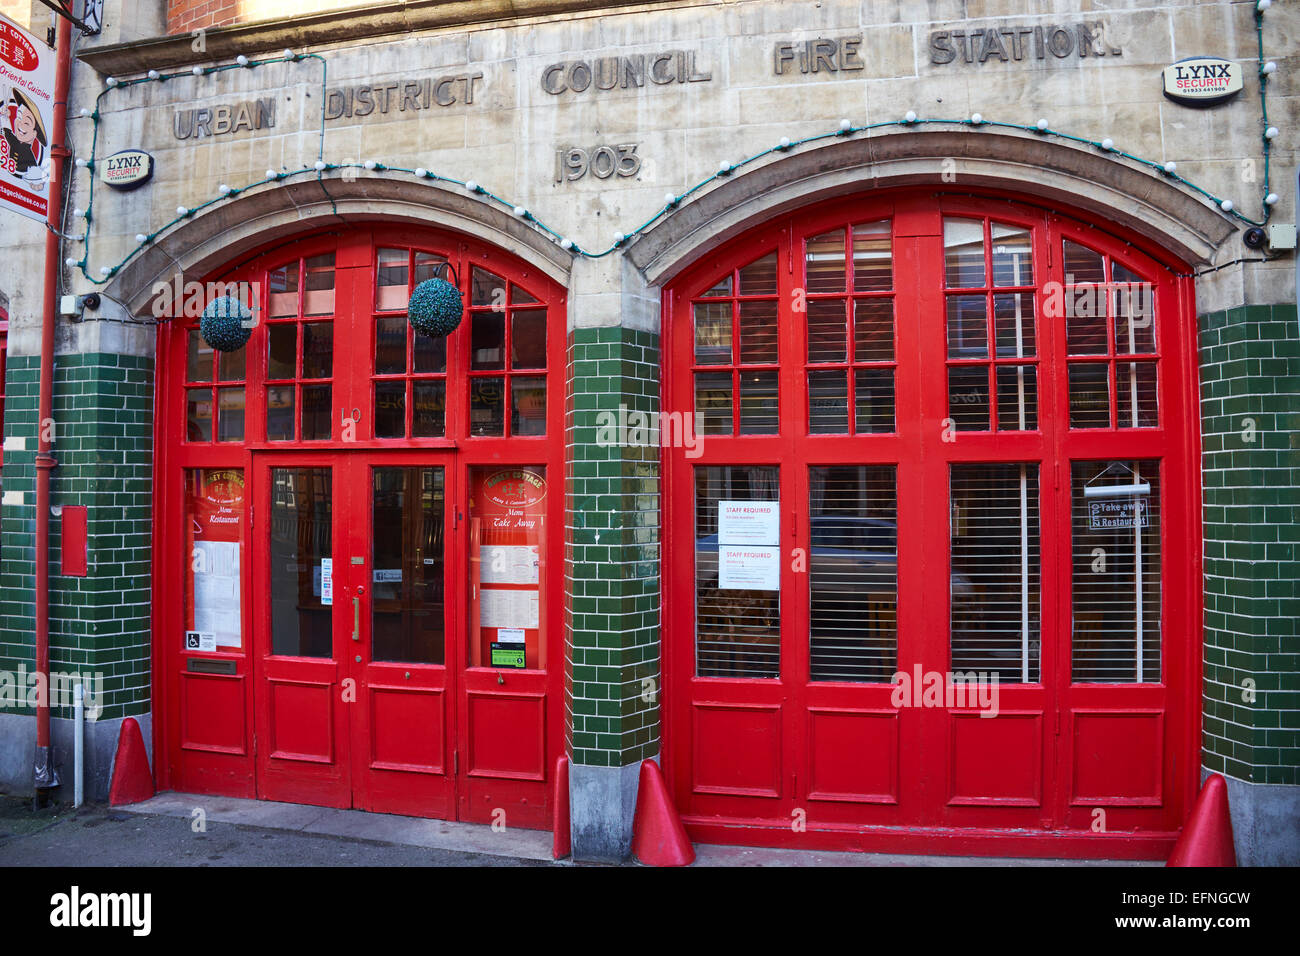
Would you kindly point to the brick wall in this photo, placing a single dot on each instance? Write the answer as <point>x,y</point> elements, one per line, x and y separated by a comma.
<point>1250,409</point>
<point>103,410</point>
<point>612,673</point>
<point>186,15</point>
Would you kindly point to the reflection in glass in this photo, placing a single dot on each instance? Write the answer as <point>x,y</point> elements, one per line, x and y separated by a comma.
<point>527,406</point>
<point>429,416</point>
<point>853,573</point>
<point>315,412</point>
<point>319,296</point>
<point>824,262</point>
<point>713,333</point>
<point>407,568</point>
<point>963,242</point>
<point>282,350</point>
<point>758,336</point>
<point>995,570</point>
<point>230,414</point>
<point>828,403</point>
<point>1089,395</point>
<point>968,397</point>
<point>828,330</point>
<point>874,400</point>
<point>1012,261</point>
<point>487,406</point>
<point>713,402</point>
<point>758,403</point>
<point>759,277</point>
<point>872,266</point>
<point>301,509</point>
<point>528,338</point>
<point>199,358</point>
<point>198,414</point>
<point>390,409</point>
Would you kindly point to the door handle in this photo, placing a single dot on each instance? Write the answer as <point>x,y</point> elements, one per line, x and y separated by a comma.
<point>356,618</point>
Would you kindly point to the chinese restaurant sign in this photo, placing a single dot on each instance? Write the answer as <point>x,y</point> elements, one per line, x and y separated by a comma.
<point>26,120</point>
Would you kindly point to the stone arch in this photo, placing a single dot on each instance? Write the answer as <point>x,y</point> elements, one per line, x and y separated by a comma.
<point>228,230</point>
<point>1038,167</point>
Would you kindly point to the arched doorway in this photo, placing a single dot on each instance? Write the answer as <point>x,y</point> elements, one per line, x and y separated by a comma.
<point>357,526</point>
<point>935,576</point>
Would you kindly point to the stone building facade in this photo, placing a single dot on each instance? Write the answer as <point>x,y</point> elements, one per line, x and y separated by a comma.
<point>609,164</point>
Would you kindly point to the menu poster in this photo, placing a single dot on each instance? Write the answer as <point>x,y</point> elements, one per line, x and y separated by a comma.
<point>214,539</point>
<point>507,531</point>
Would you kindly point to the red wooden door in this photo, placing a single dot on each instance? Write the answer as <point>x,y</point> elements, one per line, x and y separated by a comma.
<point>945,442</point>
<point>353,666</point>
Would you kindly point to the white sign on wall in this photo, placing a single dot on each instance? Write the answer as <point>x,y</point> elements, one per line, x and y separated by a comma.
<point>747,568</point>
<point>1202,80</point>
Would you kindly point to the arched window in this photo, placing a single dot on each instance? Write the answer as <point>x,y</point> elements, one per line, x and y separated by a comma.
<point>943,435</point>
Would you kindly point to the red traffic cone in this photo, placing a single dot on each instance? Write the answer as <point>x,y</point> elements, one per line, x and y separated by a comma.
<point>658,837</point>
<point>1206,839</point>
<point>132,778</point>
<point>560,833</point>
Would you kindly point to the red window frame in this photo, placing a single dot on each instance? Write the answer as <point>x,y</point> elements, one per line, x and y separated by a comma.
<point>720,787</point>
<point>352,382</point>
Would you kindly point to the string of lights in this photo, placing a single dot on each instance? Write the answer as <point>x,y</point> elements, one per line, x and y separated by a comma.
<point>671,202</point>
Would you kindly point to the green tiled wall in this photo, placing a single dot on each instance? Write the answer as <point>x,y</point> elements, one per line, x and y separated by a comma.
<point>103,413</point>
<point>1250,412</point>
<point>612,674</point>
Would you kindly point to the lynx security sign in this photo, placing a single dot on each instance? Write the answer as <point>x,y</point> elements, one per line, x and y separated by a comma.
<point>1202,80</point>
<point>127,170</point>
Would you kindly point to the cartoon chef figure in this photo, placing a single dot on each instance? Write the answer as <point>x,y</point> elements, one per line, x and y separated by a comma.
<point>24,139</point>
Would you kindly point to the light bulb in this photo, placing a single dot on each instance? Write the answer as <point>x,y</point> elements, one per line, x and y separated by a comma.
<point>288,54</point>
<point>1108,144</point>
<point>1171,168</point>
<point>618,237</point>
<point>80,164</point>
<point>70,262</point>
<point>845,126</point>
<point>1263,5</point>
<point>785,143</point>
<point>319,165</point>
<point>976,119</point>
<point>1270,199</point>
<point>1226,205</point>
<point>670,199</point>
<point>111,81</point>
<point>270,174</point>
<point>1271,132</point>
<point>910,117</point>
<point>196,70</point>
<point>241,60</point>
<point>1269,67</point>
<point>1042,125</point>
<point>421,172</point>
<point>78,212</point>
<point>472,186</point>
<point>181,211</point>
<point>369,164</point>
<point>520,212</point>
<point>105,270</point>
<point>85,112</point>
<point>724,167</point>
<point>140,237</point>
<point>154,74</point>
<point>223,189</point>
<point>566,243</point>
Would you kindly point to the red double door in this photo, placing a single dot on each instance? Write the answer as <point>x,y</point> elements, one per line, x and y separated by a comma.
<point>360,597</point>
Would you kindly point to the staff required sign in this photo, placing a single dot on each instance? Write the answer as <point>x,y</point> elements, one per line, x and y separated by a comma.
<point>26,120</point>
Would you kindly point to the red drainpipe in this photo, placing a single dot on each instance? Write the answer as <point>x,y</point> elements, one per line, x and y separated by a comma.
<point>46,776</point>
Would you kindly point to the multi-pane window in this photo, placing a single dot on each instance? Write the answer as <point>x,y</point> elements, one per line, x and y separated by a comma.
<point>300,349</point>
<point>994,578</point>
<point>853,573</point>
<point>214,392</point>
<point>410,369</point>
<point>850,330</point>
<point>1109,313</point>
<point>507,368</point>
<point>989,306</point>
<point>1116,571</point>
<point>736,353</point>
<point>737,572</point>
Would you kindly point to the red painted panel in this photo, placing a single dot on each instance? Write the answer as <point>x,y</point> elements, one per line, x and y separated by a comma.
<point>507,735</point>
<point>996,760</point>
<point>302,721</point>
<point>406,729</point>
<point>737,749</point>
<point>1118,758</point>
<point>212,713</point>
<point>853,755</point>
<point>72,545</point>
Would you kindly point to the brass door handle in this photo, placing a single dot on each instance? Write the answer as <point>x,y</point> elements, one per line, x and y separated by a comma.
<point>356,618</point>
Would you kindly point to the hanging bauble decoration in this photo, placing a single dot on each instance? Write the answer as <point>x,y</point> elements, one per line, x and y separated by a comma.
<point>435,308</point>
<point>226,324</point>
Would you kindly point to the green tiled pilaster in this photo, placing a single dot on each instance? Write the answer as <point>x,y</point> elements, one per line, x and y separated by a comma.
<point>612,674</point>
<point>103,414</point>
<point>1250,420</point>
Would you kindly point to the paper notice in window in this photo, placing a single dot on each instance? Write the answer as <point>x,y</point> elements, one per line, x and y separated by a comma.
<point>749,522</point>
<point>508,564</point>
<point>511,609</point>
<point>749,569</point>
<point>216,591</point>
